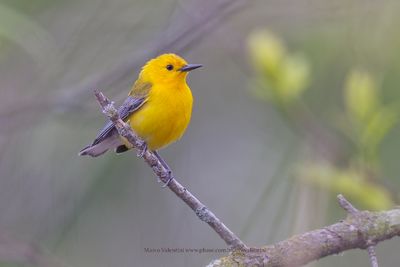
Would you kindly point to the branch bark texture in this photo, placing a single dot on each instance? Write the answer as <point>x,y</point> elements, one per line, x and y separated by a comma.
<point>165,176</point>
<point>361,229</point>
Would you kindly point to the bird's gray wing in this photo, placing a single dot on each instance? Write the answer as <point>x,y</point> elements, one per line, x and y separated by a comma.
<point>130,105</point>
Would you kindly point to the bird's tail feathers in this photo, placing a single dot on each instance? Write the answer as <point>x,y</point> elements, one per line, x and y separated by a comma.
<point>101,148</point>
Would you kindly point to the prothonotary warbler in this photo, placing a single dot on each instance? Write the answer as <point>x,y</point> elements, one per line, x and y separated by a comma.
<point>158,107</point>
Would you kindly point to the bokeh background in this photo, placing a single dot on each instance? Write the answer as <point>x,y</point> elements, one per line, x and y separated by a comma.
<point>298,101</point>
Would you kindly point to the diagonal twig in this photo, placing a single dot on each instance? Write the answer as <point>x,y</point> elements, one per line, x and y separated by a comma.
<point>164,175</point>
<point>346,205</point>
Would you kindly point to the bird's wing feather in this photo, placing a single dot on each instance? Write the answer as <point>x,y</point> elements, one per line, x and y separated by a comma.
<point>135,100</point>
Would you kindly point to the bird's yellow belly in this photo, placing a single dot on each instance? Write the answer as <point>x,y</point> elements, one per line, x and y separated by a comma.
<point>162,120</point>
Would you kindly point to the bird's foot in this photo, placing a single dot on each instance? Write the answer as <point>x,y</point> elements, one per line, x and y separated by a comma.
<point>169,175</point>
<point>170,178</point>
<point>142,150</point>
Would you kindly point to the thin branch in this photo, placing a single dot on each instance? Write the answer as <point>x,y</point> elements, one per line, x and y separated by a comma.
<point>372,256</point>
<point>165,176</point>
<point>361,229</point>
<point>346,205</point>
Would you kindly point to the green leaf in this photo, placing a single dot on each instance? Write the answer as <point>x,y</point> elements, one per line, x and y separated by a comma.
<point>381,122</point>
<point>295,77</point>
<point>266,52</point>
<point>283,76</point>
<point>361,95</point>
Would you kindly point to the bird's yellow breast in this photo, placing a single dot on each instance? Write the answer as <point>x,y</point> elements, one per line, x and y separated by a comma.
<point>165,115</point>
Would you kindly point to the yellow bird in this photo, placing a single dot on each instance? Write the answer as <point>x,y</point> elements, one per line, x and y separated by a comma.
<point>158,108</point>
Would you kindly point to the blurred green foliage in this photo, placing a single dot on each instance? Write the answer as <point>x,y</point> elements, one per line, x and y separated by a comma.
<point>350,182</point>
<point>368,121</point>
<point>283,77</point>
<point>361,96</point>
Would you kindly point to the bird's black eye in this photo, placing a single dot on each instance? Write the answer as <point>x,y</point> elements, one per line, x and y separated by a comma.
<point>170,67</point>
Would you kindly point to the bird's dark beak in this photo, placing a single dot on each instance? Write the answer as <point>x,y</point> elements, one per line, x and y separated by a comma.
<point>190,67</point>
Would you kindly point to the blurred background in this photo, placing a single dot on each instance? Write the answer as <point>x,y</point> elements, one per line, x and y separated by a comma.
<point>298,101</point>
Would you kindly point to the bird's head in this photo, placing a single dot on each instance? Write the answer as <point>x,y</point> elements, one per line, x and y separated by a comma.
<point>167,68</point>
